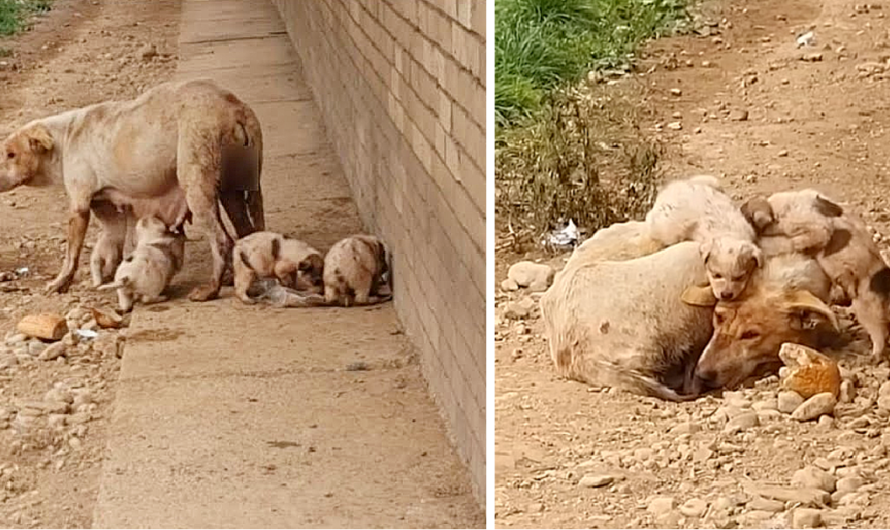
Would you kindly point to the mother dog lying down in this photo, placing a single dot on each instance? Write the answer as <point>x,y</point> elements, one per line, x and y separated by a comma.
<point>624,324</point>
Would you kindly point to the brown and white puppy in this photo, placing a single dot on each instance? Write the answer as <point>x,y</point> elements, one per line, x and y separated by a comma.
<point>179,147</point>
<point>294,263</point>
<point>808,222</point>
<point>146,272</point>
<point>697,210</point>
<point>354,270</point>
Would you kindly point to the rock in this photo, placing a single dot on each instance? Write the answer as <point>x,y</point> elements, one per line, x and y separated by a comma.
<point>825,422</point>
<point>804,497</point>
<point>509,285</point>
<point>742,422</point>
<point>675,125</point>
<point>536,276</point>
<point>815,406</point>
<point>148,52</point>
<point>847,391</point>
<point>596,481</point>
<point>788,401</point>
<point>810,372</point>
<point>811,57</point>
<point>35,348</point>
<point>685,428</point>
<point>813,477</point>
<point>806,518</point>
<point>519,310</point>
<point>676,92</point>
<point>850,484</point>
<point>8,361</point>
<point>107,318</point>
<point>53,352</point>
<point>694,508</point>
<point>766,505</point>
<point>660,506</point>
<point>61,395</point>
<point>47,326</point>
<point>738,115</point>
<point>884,402</point>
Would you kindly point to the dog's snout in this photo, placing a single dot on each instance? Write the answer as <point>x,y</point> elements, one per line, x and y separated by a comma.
<point>726,295</point>
<point>706,379</point>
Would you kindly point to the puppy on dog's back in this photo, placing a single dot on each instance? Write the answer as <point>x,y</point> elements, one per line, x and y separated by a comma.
<point>146,272</point>
<point>294,263</point>
<point>354,270</point>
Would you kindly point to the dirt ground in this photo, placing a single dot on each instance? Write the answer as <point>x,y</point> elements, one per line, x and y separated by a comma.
<point>814,117</point>
<point>53,412</point>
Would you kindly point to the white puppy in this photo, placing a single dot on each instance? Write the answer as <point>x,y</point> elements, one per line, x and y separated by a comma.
<point>697,210</point>
<point>355,269</point>
<point>146,272</point>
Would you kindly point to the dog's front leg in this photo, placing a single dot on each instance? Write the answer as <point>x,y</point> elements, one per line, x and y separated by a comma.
<point>78,221</point>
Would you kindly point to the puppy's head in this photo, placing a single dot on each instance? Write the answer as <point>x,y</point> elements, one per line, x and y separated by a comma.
<point>150,227</point>
<point>758,212</point>
<point>22,156</point>
<point>729,263</point>
<point>309,274</point>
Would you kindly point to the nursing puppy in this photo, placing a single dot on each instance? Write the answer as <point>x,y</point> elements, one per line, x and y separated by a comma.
<point>146,272</point>
<point>697,210</point>
<point>354,270</point>
<point>294,263</point>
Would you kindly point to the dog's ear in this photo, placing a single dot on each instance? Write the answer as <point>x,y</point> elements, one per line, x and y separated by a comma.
<point>758,212</point>
<point>753,252</point>
<point>808,310</point>
<point>705,249</point>
<point>700,296</point>
<point>313,262</point>
<point>39,139</point>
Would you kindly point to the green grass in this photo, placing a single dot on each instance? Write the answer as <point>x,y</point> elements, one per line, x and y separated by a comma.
<point>14,14</point>
<point>544,44</point>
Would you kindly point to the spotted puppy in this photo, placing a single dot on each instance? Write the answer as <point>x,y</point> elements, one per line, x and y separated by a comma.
<point>294,263</point>
<point>145,273</point>
<point>355,269</point>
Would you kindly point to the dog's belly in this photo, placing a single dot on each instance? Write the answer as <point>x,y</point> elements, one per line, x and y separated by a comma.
<point>169,206</point>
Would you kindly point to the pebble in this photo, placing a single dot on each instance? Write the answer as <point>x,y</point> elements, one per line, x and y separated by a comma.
<point>53,352</point>
<point>676,92</point>
<point>802,496</point>
<point>806,518</point>
<point>596,481</point>
<point>825,422</point>
<point>788,401</point>
<point>519,310</point>
<point>694,508</point>
<point>742,422</point>
<point>739,115</point>
<point>659,506</point>
<point>849,484</point>
<point>536,276</point>
<point>811,57</point>
<point>148,52</point>
<point>813,477</point>
<point>675,126</point>
<point>847,392</point>
<point>509,285</point>
<point>815,406</point>
<point>35,348</point>
<point>766,505</point>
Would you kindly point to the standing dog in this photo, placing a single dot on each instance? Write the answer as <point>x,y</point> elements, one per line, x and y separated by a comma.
<point>179,147</point>
<point>292,262</point>
<point>148,270</point>
<point>697,210</point>
<point>354,270</point>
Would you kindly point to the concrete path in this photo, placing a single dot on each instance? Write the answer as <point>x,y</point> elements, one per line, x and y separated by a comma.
<point>241,417</point>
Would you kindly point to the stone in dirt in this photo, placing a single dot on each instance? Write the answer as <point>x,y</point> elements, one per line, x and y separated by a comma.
<point>742,422</point>
<point>788,401</point>
<point>739,115</point>
<point>804,496</point>
<point>766,505</point>
<point>806,518</point>
<point>850,484</point>
<point>660,506</point>
<point>694,508</point>
<point>815,406</point>
<point>809,372</point>
<point>596,481</point>
<point>509,285</point>
<point>536,276</point>
<point>46,326</point>
<point>519,310</point>
<point>847,391</point>
<point>53,352</point>
<point>813,477</point>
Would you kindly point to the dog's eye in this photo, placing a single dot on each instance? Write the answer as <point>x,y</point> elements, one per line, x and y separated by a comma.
<point>717,276</point>
<point>10,155</point>
<point>738,278</point>
<point>750,334</point>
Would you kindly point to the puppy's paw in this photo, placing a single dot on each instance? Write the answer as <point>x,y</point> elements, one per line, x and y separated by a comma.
<point>204,293</point>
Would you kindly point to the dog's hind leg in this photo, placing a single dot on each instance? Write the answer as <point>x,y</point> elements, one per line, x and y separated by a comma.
<point>870,310</point>
<point>236,208</point>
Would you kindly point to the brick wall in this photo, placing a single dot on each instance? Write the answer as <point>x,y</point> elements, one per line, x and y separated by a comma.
<point>401,85</point>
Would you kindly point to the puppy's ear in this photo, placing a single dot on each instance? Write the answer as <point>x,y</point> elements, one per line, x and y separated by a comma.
<point>39,139</point>
<point>808,310</point>
<point>705,250</point>
<point>700,296</point>
<point>755,254</point>
<point>758,212</point>
<point>313,262</point>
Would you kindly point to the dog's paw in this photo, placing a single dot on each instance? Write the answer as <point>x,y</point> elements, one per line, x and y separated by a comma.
<point>59,285</point>
<point>203,293</point>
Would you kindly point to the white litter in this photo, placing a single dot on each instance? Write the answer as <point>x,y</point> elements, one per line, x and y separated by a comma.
<point>808,39</point>
<point>567,237</point>
<point>22,271</point>
<point>86,333</point>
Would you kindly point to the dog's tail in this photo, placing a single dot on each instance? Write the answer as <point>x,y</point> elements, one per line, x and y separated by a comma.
<point>253,135</point>
<point>126,281</point>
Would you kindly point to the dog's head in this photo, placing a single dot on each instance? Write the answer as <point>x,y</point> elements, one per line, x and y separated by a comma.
<point>758,212</point>
<point>729,263</point>
<point>749,332</point>
<point>150,227</point>
<point>23,156</point>
<point>309,274</point>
